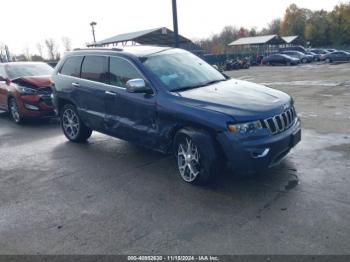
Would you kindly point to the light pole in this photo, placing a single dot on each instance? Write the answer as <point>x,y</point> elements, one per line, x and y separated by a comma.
<point>176,32</point>
<point>93,30</point>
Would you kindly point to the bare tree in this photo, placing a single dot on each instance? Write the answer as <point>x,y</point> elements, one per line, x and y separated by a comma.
<point>40,48</point>
<point>67,43</point>
<point>2,53</point>
<point>26,53</point>
<point>52,48</point>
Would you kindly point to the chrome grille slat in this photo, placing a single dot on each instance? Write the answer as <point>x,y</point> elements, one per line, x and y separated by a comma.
<point>281,122</point>
<point>289,116</point>
<point>285,119</point>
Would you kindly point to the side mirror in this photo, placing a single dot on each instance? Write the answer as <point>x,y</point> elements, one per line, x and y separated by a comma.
<point>137,85</point>
<point>3,79</point>
<point>216,67</point>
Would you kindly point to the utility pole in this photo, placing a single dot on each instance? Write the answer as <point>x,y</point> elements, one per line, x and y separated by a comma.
<point>93,24</point>
<point>176,31</point>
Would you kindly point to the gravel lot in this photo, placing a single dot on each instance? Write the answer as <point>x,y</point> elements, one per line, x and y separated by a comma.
<point>111,197</point>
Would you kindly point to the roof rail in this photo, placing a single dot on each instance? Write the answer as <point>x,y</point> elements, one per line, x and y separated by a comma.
<point>97,48</point>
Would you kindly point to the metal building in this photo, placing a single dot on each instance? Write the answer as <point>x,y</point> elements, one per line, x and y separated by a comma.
<point>293,40</point>
<point>258,44</point>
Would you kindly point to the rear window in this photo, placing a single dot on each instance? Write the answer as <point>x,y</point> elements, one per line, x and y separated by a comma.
<point>71,66</point>
<point>95,68</point>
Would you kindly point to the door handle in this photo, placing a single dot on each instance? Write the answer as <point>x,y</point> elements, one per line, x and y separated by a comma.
<point>76,84</point>
<point>110,93</point>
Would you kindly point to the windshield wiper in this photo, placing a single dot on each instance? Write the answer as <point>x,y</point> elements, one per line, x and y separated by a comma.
<point>196,86</point>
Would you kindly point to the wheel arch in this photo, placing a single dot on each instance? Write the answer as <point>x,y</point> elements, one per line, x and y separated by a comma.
<point>192,130</point>
<point>61,102</point>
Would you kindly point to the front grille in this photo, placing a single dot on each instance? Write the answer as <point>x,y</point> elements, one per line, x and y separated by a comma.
<point>45,95</point>
<point>281,122</point>
<point>45,91</point>
<point>47,100</point>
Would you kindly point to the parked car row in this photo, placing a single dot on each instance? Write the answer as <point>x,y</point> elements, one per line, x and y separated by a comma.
<point>161,98</point>
<point>297,55</point>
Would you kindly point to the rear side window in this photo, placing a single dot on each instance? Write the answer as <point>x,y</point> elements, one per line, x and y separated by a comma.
<point>71,66</point>
<point>95,68</point>
<point>121,71</point>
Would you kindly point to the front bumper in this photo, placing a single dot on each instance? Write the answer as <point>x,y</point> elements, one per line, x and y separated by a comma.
<point>255,154</point>
<point>35,106</point>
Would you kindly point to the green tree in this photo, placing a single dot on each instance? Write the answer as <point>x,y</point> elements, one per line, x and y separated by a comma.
<point>273,28</point>
<point>317,29</point>
<point>339,20</point>
<point>294,20</point>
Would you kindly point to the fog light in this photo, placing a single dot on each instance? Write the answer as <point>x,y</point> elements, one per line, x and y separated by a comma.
<point>259,153</point>
<point>31,107</point>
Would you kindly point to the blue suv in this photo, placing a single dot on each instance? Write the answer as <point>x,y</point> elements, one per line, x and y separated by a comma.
<point>172,101</point>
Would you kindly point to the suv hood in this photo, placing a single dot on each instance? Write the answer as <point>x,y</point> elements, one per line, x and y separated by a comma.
<point>34,81</point>
<point>242,100</point>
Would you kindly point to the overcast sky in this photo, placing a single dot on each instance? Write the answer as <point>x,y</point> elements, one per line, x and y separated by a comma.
<point>26,22</point>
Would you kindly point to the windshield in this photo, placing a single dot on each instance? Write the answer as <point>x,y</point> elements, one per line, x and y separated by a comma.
<point>30,69</point>
<point>182,70</point>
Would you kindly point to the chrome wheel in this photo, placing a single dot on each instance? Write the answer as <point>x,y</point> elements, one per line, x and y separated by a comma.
<point>14,111</point>
<point>70,123</point>
<point>188,160</point>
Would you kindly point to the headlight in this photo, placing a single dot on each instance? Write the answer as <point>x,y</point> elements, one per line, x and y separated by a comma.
<point>245,128</point>
<point>26,90</point>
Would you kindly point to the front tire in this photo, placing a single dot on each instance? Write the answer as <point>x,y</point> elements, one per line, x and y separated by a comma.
<point>197,157</point>
<point>328,60</point>
<point>14,112</point>
<point>73,128</point>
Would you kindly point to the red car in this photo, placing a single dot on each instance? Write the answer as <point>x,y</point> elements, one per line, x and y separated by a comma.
<point>25,90</point>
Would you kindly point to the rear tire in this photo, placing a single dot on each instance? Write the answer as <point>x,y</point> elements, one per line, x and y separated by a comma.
<point>197,156</point>
<point>14,112</point>
<point>73,128</point>
<point>304,60</point>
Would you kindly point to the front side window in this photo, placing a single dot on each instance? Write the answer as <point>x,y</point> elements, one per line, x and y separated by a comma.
<point>182,70</point>
<point>95,68</point>
<point>121,71</point>
<point>71,66</point>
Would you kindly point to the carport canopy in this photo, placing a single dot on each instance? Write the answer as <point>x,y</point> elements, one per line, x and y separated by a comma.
<point>157,36</point>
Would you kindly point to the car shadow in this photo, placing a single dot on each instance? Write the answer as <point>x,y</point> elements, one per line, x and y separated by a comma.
<point>34,122</point>
<point>122,160</point>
